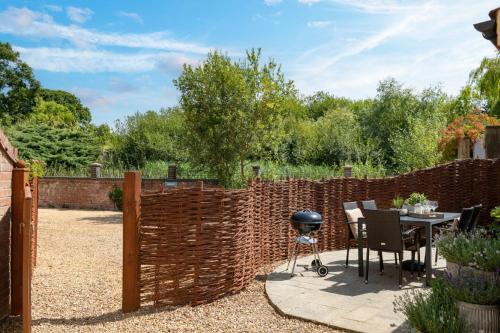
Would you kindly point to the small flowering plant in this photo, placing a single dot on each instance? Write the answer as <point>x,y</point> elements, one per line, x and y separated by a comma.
<point>478,250</point>
<point>473,288</point>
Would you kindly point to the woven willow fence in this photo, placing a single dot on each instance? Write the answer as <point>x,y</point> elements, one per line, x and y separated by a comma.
<point>197,245</point>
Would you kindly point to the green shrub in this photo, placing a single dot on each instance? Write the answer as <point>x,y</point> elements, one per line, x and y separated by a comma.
<point>431,311</point>
<point>476,249</point>
<point>116,195</point>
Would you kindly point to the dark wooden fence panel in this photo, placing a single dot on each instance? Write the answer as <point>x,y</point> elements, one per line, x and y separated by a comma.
<point>197,245</point>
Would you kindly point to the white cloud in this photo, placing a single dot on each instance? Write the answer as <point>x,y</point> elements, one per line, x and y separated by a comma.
<point>53,8</point>
<point>319,24</point>
<point>25,22</point>
<point>79,15</point>
<point>309,2</point>
<point>272,2</point>
<point>426,45</point>
<point>93,61</point>
<point>133,16</point>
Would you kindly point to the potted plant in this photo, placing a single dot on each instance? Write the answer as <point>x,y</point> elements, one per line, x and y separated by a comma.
<point>477,251</point>
<point>415,199</point>
<point>397,203</point>
<point>431,311</point>
<point>478,300</point>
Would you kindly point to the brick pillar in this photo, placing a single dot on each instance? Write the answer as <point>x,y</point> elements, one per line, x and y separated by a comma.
<point>95,170</point>
<point>172,171</point>
<point>347,171</point>
<point>256,171</point>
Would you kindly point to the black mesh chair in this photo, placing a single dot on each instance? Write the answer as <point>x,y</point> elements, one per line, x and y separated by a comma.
<point>369,204</point>
<point>384,234</point>
<point>475,217</point>
<point>372,205</point>
<point>464,222</point>
<point>350,236</point>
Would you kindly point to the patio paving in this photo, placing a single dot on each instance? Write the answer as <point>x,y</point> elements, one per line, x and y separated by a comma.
<point>342,299</point>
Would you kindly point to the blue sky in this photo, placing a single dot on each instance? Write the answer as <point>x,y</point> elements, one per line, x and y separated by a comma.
<point>120,57</point>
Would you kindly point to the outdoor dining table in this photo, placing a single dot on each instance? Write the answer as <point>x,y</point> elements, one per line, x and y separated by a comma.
<point>413,221</point>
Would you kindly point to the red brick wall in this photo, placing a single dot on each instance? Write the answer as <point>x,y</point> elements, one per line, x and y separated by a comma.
<point>7,160</point>
<point>87,193</point>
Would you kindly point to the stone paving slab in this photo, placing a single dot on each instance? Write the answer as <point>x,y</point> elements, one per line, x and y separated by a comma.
<point>342,299</point>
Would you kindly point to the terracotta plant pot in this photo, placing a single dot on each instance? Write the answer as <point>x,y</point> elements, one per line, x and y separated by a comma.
<point>481,318</point>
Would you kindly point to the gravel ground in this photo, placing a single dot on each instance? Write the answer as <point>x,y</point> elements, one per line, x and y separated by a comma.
<point>77,287</point>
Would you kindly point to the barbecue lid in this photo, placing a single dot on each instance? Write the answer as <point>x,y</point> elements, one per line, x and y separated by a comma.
<point>306,216</point>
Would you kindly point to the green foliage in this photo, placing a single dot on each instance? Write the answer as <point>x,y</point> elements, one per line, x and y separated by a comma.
<point>69,148</point>
<point>485,85</point>
<point>416,198</point>
<point>431,312</point>
<point>151,136</point>
<point>51,113</point>
<point>18,86</point>
<point>398,202</point>
<point>116,195</point>
<point>477,249</point>
<point>36,168</point>
<point>80,113</point>
<point>472,287</point>
<point>405,126</point>
<point>233,110</point>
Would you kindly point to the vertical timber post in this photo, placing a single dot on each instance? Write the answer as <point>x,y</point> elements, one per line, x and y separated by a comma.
<point>27,261</point>
<point>19,181</point>
<point>464,147</point>
<point>131,265</point>
<point>492,140</point>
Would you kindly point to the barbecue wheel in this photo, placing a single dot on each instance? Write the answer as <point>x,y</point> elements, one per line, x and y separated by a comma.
<point>322,271</point>
<point>315,263</point>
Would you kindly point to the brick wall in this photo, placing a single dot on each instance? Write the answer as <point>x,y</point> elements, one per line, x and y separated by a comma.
<point>89,193</point>
<point>7,159</point>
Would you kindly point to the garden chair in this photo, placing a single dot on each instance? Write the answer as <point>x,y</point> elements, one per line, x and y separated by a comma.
<point>352,214</point>
<point>385,235</point>
<point>475,217</point>
<point>369,204</point>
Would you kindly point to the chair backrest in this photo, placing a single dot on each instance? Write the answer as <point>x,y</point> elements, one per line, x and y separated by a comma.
<point>369,204</point>
<point>474,218</point>
<point>465,219</point>
<point>348,206</point>
<point>383,230</point>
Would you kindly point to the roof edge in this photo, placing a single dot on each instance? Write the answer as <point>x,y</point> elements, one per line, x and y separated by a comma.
<point>8,148</point>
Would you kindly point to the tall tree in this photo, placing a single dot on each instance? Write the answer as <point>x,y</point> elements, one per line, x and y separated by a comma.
<point>485,83</point>
<point>232,110</point>
<point>80,112</point>
<point>18,86</point>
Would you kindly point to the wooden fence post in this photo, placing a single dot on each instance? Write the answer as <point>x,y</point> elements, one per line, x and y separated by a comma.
<point>131,265</point>
<point>492,140</point>
<point>19,181</point>
<point>464,146</point>
<point>27,260</point>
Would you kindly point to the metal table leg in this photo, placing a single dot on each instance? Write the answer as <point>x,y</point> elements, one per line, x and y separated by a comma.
<point>428,253</point>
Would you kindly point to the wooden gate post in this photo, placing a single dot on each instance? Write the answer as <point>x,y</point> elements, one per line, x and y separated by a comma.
<point>131,265</point>
<point>27,260</point>
<point>19,181</point>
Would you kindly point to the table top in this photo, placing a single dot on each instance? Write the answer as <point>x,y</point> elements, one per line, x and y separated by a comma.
<point>415,220</point>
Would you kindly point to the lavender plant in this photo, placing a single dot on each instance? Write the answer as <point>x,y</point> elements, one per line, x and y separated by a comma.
<point>431,312</point>
<point>478,250</point>
<point>473,288</point>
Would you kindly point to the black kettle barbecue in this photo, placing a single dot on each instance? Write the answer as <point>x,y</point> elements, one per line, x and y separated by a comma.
<point>307,223</point>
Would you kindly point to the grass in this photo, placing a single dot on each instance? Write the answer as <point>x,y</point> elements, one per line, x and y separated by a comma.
<point>269,171</point>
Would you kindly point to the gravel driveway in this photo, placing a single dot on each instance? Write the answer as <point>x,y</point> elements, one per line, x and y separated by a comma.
<point>77,287</point>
